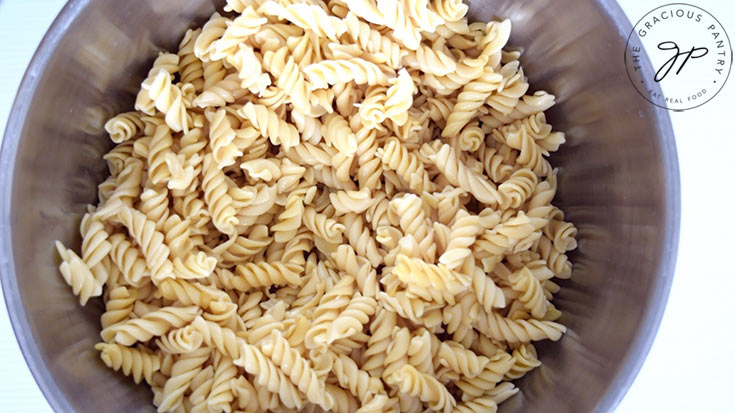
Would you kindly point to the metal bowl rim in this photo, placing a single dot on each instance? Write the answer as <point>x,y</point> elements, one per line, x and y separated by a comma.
<point>627,371</point>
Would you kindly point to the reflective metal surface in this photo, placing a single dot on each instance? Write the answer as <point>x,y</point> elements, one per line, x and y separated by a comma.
<point>618,184</point>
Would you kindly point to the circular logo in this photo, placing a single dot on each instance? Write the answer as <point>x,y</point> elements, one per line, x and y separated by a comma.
<point>690,56</point>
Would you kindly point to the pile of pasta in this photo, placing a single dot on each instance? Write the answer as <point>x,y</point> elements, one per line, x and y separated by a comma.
<point>317,206</point>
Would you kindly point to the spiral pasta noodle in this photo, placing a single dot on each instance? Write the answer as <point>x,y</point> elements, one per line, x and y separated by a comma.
<point>339,205</point>
<point>124,126</point>
<point>168,98</point>
<point>153,324</point>
<point>358,70</point>
<point>151,242</point>
<point>427,388</point>
<point>270,125</point>
<point>133,362</point>
<point>277,348</point>
<point>372,41</point>
<point>288,77</point>
<point>183,372</point>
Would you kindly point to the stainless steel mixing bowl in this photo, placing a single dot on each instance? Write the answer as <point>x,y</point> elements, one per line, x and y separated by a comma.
<point>618,183</point>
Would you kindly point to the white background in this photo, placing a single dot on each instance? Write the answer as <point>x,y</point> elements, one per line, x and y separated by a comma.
<point>691,366</point>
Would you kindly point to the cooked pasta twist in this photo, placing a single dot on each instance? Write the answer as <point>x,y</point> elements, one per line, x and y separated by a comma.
<point>155,323</point>
<point>326,228</point>
<point>215,336</point>
<point>221,395</point>
<point>527,105</point>
<point>404,305</point>
<point>178,235</point>
<point>351,201</point>
<point>221,139</point>
<point>562,234</point>
<point>351,320</point>
<point>465,229</point>
<point>359,267</point>
<point>505,237</point>
<point>407,165</point>
<point>428,281</point>
<point>488,294</point>
<point>264,274</point>
<point>237,32</point>
<point>308,17</point>
<point>168,99</point>
<point>181,340</point>
<point>558,262</point>
<point>218,201</point>
<point>470,99</point>
<point>289,221</point>
<point>268,375</point>
<point>330,305</point>
<point>337,133</point>
<point>531,293</point>
<point>460,316</point>
<point>278,131</point>
<point>399,97</point>
<point>495,38</point>
<point>394,15</point>
<point>212,31</point>
<point>124,126</point>
<point>288,77</point>
<point>358,381</point>
<point>372,108</point>
<point>465,72</point>
<point>427,388</point>
<point>277,348</point>
<point>372,41</point>
<point>339,205</point>
<point>460,359</point>
<point>198,265</point>
<point>220,92</point>
<point>476,405</point>
<point>151,242</point>
<point>249,69</point>
<point>95,246</point>
<point>396,352</point>
<point>190,293</point>
<point>183,372</point>
<point>450,10</point>
<point>381,334</point>
<point>119,305</point>
<point>158,151</point>
<point>358,70</point>
<point>432,60</point>
<point>498,365</point>
<point>246,395</point>
<point>459,174</point>
<point>524,360</point>
<point>190,67</point>
<point>344,402</point>
<point>132,361</point>
<point>165,62</point>
<point>360,238</point>
<point>519,331</point>
<point>512,88</point>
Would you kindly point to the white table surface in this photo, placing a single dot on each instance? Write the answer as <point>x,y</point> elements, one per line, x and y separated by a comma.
<point>690,367</point>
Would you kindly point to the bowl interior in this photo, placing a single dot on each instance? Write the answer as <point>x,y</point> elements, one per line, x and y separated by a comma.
<point>618,183</point>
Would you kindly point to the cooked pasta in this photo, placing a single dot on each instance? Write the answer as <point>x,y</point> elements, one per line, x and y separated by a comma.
<point>340,205</point>
<point>133,362</point>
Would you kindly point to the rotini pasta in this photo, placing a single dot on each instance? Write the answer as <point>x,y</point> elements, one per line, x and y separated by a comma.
<point>339,205</point>
<point>330,72</point>
<point>133,362</point>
